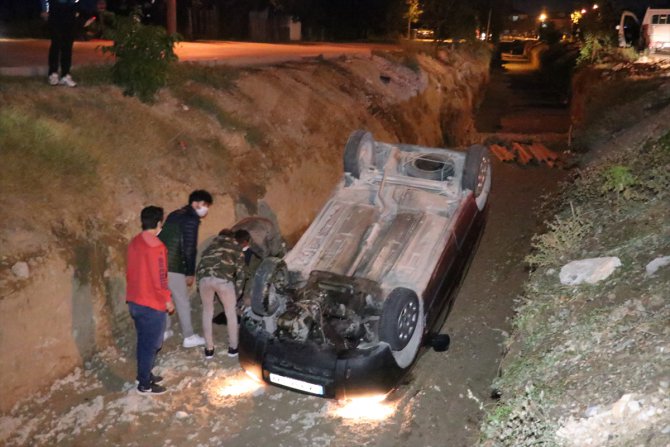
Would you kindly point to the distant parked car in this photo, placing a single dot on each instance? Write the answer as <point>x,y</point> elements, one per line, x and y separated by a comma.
<point>424,33</point>
<point>652,34</point>
<point>347,310</point>
<point>656,29</point>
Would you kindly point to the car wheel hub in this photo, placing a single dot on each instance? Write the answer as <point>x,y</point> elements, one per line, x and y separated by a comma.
<point>407,321</point>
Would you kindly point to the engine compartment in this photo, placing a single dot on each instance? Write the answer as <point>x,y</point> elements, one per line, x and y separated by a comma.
<point>330,310</point>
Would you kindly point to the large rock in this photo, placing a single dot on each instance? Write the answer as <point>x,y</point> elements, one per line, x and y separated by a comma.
<point>656,264</point>
<point>21,270</point>
<point>588,271</point>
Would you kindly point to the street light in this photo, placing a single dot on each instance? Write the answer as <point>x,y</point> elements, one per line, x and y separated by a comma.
<point>543,17</point>
<point>595,6</point>
<point>576,16</point>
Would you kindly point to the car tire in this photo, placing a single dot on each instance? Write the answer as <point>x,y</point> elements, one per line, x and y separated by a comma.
<point>401,325</point>
<point>359,153</point>
<point>269,283</point>
<point>477,174</point>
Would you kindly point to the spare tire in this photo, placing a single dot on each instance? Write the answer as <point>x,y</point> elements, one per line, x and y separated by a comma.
<point>359,153</point>
<point>431,167</point>
<point>477,173</point>
<point>269,283</point>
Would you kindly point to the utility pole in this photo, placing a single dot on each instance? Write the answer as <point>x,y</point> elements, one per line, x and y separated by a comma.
<point>171,16</point>
<point>488,25</point>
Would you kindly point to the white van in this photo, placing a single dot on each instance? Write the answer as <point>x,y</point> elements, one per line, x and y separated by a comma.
<point>656,29</point>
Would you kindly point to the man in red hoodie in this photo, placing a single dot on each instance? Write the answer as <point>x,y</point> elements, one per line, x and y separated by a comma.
<point>148,296</point>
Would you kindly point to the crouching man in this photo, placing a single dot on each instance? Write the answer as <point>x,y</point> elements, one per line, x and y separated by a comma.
<point>148,296</point>
<point>222,271</point>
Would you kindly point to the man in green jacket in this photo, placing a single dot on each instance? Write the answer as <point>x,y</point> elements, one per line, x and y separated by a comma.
<point>222,271</point>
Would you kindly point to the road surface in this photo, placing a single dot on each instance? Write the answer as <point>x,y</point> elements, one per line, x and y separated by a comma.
<point>28,57</point>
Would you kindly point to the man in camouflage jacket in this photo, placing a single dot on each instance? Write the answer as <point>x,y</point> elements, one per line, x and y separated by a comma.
<point>222,271</point>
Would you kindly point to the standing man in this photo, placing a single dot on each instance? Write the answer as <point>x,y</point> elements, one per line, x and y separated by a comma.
<point>180,236</point>
<point>148,296</point>
<point>61,16</point>
<point>222,271</point>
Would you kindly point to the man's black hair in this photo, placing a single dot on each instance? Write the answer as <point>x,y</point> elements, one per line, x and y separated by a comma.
<point>200,195</point>
<point>242,236</point>
<point>150,216</point>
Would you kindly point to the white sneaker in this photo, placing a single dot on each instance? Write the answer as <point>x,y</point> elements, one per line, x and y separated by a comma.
<point>53,79</point>
<point>193,341</point>
<point>67,80</point>
<point>167,334</point>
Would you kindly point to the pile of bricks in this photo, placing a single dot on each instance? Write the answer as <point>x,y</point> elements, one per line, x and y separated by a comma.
<point>524,154</point>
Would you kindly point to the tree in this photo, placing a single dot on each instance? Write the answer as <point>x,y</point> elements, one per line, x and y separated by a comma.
<point>412,15</point>
<point>451,19</point>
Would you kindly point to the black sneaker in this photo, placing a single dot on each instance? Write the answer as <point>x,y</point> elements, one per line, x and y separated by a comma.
<point>232,352</point>
<point>153,389</point>
<point>154,379</point>
<point>209,353</point>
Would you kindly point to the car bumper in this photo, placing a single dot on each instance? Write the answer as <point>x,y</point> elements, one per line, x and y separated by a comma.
<point>315,370</point>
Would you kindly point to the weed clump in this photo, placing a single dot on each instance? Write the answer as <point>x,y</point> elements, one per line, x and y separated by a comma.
<point>143,56</point>
<point>521,423</point>
<point>563,238</point>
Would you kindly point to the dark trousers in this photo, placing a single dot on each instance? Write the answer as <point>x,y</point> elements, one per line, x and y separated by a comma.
<point>62,28</point>
<point>150,325</point>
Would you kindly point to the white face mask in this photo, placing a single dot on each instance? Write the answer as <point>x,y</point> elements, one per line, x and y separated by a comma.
<point>202,211</point>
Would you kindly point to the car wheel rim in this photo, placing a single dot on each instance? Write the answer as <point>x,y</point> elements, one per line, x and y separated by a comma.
<point>481,175</point>
<point>407,320</point>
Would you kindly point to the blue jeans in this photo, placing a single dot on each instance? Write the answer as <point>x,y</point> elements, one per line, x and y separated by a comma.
<point>150,325</point>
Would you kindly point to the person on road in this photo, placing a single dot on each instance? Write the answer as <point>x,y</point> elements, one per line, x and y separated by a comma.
<point>222,271</point>
<point>61,16</point>
<point>180,236</point>
<point>148,296</point>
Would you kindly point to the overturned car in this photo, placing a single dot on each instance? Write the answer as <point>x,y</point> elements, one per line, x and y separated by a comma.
<point>346,311</point>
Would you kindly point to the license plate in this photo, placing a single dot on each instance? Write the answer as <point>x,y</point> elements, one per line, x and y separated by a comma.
<point>296,384</point>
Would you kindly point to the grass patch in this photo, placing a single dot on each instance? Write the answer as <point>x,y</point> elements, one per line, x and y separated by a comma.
<point>93,75</point>
<point>38,151</point>
<point>522,422</point>
<point>563,239</point>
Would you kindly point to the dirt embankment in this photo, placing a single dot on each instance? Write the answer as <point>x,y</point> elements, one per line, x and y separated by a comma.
<point>78,165</point>
<point>588,363</point>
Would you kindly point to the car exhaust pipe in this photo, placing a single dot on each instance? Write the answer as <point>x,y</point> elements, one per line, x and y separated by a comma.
<point>439,342</point>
